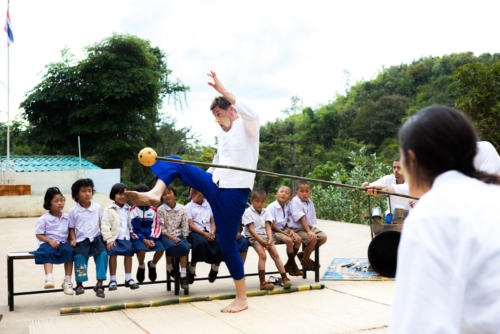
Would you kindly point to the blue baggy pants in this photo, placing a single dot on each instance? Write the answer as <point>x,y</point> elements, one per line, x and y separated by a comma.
<point>228,206</point>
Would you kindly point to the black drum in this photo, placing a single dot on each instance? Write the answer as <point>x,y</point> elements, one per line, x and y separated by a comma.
<point>383,252</point>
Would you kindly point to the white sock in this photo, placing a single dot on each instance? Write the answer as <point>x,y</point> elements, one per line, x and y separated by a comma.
<point>142,266</point>
<point>128,276</point>
<point>192,269</point>
<point>67,278</point>
<point>49,277</point>
<point>170,267</point>
<point>183,272</point>
<point>215,267</point>
<point>153,265</point>
<point>112,278</point>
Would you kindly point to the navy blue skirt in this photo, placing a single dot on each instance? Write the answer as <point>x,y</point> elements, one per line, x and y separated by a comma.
<point>47,254</point>
<point>204,251</point>
<point>90,248</point>
<point>175,249</point>
<point>242,244</point>
<point>139,245</point>
<point>122,247</point>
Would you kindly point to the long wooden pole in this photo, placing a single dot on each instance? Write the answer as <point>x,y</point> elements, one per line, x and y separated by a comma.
<point>278,175</point>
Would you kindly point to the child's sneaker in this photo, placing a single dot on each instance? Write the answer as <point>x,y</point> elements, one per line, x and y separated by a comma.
<point>49,284</point>
<point>68,288</point>
<point>112,286</point>
<point>151,272</point>
<point>131,284</point>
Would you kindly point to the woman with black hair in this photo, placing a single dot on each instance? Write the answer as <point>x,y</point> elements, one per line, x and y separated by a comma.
<point>448,272</point>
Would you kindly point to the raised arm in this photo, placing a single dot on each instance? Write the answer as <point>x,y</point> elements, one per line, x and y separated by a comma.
<point>217,85</point>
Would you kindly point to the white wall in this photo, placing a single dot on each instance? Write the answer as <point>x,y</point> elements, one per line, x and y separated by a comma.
<point>27,206</point>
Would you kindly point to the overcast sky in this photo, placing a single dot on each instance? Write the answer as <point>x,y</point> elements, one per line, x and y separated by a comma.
<point>263,51</point>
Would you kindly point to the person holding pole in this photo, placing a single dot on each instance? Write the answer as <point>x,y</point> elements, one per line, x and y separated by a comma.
<point>225,190</point>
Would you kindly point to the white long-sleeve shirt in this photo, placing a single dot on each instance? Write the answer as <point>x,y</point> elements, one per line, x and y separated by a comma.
<point>395,201</point>
<point>487,159</point>
<point>238,147</point>
<point>448,272</point>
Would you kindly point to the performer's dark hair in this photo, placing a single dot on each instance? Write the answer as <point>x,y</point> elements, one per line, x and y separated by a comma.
<point>49,195</point>
<point>221,102</point>
<point>142,188</point>
<point>75,187</point>
<point>442,139</point>
<point>257,193</point>
<point>397,159</point>
<point>117,188</point>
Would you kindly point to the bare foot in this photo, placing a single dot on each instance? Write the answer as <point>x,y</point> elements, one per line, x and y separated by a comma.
<point>237,305</point>
<point>142,199</point>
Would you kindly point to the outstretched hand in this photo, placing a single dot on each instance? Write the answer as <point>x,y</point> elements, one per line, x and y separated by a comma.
<point>217,85</point>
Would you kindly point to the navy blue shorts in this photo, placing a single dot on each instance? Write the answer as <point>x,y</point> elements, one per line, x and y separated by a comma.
<point>48,254</point>
<point>203,250</point>
<point>175,249</point>
<point>90,248</point>
<point>242,244</point>
<point>122,247</point>
<point>139,245</point>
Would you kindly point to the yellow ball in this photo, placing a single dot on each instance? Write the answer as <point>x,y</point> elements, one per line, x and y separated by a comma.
<point>147,156</point>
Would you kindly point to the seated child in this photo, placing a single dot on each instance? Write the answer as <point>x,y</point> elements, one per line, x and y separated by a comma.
<point>146,236</point>
<point>242,243</point>
<point>279,214</point>
<point>202,237</point>
<point>302,221</point>
<point>52,232</point>
<point>175,229</point>
<point>258,233</point>
<point>115,231</point>
<point>85,235</point>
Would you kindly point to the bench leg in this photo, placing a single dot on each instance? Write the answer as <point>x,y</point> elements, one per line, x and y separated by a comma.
<point>177,283</point>
<point>316,260</point>
<point>169,286</point>
<point>10,283</point>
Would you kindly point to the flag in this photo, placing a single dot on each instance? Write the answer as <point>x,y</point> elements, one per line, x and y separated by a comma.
<point>8,29</point>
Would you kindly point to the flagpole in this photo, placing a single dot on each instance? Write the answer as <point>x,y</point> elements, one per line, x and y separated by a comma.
<point>8,99</point>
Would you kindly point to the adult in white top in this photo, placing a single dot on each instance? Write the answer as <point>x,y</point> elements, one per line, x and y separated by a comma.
<point>448,277</point>
<point>397,178</point>
<point>487,158</point>
<point>227,190</point>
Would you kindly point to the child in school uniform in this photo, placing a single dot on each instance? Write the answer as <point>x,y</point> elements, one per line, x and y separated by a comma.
<point>85,235</point>
<point>242,243</point>
<point>258,232</point>
<point>280,213</point>
<point>52,232</point>
<point>146,236</point>
<point>302,221</point>
<point>202,237</point>
<point>115,231</point>
<point>175,230</point>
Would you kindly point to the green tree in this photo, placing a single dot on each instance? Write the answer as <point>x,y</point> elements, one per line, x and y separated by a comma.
<point>478,95</point>
<point>110,99</point>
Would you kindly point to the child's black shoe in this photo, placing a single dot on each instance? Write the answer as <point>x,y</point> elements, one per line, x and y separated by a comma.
<point>151,272</point>
<point>140,274</point>
<point>184,283</point>
<point>212,276</point>
<point>131,284</point>
<point>112,286</point>
<point>190,277</point>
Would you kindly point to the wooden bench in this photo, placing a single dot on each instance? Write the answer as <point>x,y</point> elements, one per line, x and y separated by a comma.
<point>12,256</point>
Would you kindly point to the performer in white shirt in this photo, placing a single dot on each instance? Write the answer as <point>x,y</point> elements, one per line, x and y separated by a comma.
<point>448,277</point>
<point>487,158</point>
<point>226,190</point>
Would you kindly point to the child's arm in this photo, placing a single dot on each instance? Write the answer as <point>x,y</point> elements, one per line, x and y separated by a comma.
<point>185,224</point>
<point>194,228</point>
<point>72,237</point>
<point>269,233</point>
<point>212,228</point>
<point>306,228</point>
<point>51,242</point>
<point>254,234</point>
<point>106,222</point>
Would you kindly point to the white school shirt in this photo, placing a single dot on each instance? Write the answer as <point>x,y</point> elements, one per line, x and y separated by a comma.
<point>487,159</point>
<point>258,220</point>
<point>238,147</point>
<point>396,202</point>
<point>53,227</point>
<point>278,214</point>
<point>124,213</point>
<point>86,221</point>
<point>200,214</point>
<point>299,209</point>
<point>448,272</point>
